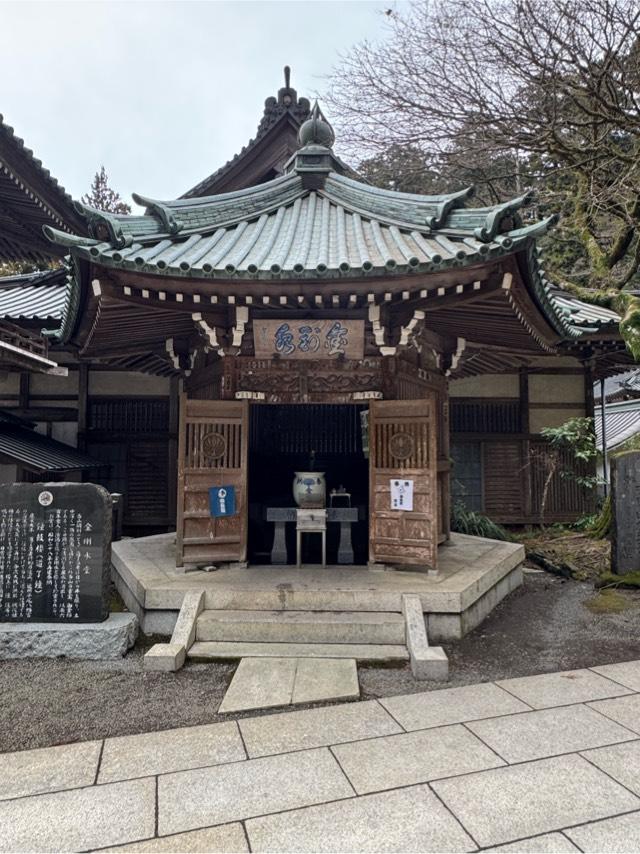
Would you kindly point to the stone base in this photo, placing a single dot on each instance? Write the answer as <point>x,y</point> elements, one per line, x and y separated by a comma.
<point>447,627</point>
<point>156,622</point>
<point>110,639</point>
<point>474,575</point>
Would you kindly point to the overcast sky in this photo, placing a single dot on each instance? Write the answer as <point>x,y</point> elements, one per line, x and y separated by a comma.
<point>162,93</point>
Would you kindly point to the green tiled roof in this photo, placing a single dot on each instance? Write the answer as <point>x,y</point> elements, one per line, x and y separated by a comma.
<point>570,317</point>
<point>34,296</point>
<point>288,229</point>
<point>316,223</point>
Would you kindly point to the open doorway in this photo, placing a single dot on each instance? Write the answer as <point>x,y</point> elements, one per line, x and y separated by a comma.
<point>286,438</point>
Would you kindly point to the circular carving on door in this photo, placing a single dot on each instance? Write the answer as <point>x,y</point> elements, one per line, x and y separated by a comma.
<point>213,446</point>
<point>402,445</point>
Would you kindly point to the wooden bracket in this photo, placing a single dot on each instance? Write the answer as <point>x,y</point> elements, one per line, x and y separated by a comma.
<point>242,318</point>
<point>456,356</point>
<point>182,362</point>
<point>379,330</point>
<point>172,354</point>
<point>407,333</point>
<point>209,332</point>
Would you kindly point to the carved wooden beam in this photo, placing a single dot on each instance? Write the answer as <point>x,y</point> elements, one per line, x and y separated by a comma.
<point>209,332</point>
<point>454,358</point>
<point>182,359</point>
<point>242,318</point>
<point>379,330</point>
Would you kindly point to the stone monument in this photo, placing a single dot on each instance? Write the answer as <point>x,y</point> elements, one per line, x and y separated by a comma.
<point>55,552</point>
<point>625,512</point>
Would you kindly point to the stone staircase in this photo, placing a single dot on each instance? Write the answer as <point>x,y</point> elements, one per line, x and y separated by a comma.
<point>365,636</point>
<point>214,634</point>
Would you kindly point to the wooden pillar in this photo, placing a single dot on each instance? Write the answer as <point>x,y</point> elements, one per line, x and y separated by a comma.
<point>172,450</point>
<point>83,404</point>
<point>25,385</point>
<point>524,400</point>
<point>524,432</point>
<point>444,460</point>
<point>589,402</point>
<point>590,412</point>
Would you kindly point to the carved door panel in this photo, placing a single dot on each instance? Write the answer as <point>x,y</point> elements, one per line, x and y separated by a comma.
<point>212,452</point>
<point>403,446</point>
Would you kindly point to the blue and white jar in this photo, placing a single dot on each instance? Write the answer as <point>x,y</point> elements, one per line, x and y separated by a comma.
<point>310,489</point>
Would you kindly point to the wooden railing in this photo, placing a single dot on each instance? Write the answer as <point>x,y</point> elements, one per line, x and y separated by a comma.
<point>23,339</point>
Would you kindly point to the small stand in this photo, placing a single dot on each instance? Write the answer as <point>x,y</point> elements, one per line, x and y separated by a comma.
<point>346,517</point>
<point>311,522</point>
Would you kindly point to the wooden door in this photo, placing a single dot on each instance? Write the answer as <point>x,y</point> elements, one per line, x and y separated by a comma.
<point>403,446</point>
<point>212,451</point>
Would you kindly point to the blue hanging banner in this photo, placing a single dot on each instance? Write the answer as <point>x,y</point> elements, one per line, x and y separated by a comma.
<point>222,500</point>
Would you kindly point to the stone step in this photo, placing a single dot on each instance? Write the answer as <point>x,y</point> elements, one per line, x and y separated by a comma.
<point>324,627</point>
<point>307,597</point>
<point>216,650</point>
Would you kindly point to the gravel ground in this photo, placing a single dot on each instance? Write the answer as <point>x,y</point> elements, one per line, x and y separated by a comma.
<point>548,624</point>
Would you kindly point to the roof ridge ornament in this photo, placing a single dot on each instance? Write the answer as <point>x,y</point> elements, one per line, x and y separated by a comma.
<point>448,203</point>
<point>506,210</point>
<point>316,130</point>
<point>286,101</point>
<point>315,159</point>
<point>103,226</point>
<point>161,211</point>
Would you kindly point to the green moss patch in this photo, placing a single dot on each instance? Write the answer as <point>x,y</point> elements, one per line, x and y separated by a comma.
<point>608,579</point>
<point>608,601</point>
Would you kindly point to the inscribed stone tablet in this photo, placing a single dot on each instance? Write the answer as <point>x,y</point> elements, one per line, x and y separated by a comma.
<point>625,509</point>
<point>55,552</point>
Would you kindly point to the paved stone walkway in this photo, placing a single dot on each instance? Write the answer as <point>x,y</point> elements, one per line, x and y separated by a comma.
<point>543,763</point>
<point>262,683</point>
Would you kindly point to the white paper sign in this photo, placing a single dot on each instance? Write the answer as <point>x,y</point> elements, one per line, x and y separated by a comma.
<point>401,494</point>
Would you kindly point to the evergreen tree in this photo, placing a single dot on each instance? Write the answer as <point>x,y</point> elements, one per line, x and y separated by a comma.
<point>103,198</point>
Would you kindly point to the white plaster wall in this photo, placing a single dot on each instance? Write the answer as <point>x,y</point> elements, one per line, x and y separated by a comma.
<point>126,383</point>
<point>9,382</point>
<point>65,431</point>
<point>8,473</point>
<point>52,384</point>
<point>539,418</point>
<point>555,362</point>
<point>488,385</point>
<point>551,388</point>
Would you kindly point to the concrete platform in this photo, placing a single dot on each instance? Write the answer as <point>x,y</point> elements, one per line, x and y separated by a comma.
<point>475,574</point>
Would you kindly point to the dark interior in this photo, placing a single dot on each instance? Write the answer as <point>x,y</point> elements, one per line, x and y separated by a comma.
<point>285,438</point>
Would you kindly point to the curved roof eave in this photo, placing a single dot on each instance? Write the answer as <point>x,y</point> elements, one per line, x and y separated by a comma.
<point>569,316</point>
<point>288,225</point>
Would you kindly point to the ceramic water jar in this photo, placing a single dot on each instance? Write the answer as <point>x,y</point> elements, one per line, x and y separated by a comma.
<point>310,489</point>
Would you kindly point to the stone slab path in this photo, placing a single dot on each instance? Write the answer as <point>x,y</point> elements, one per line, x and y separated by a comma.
<point>547,763</point>
<point>263,683</point>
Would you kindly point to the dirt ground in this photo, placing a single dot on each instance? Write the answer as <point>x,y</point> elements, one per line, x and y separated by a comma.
<point>575,553</point>
<point>548,624</point>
